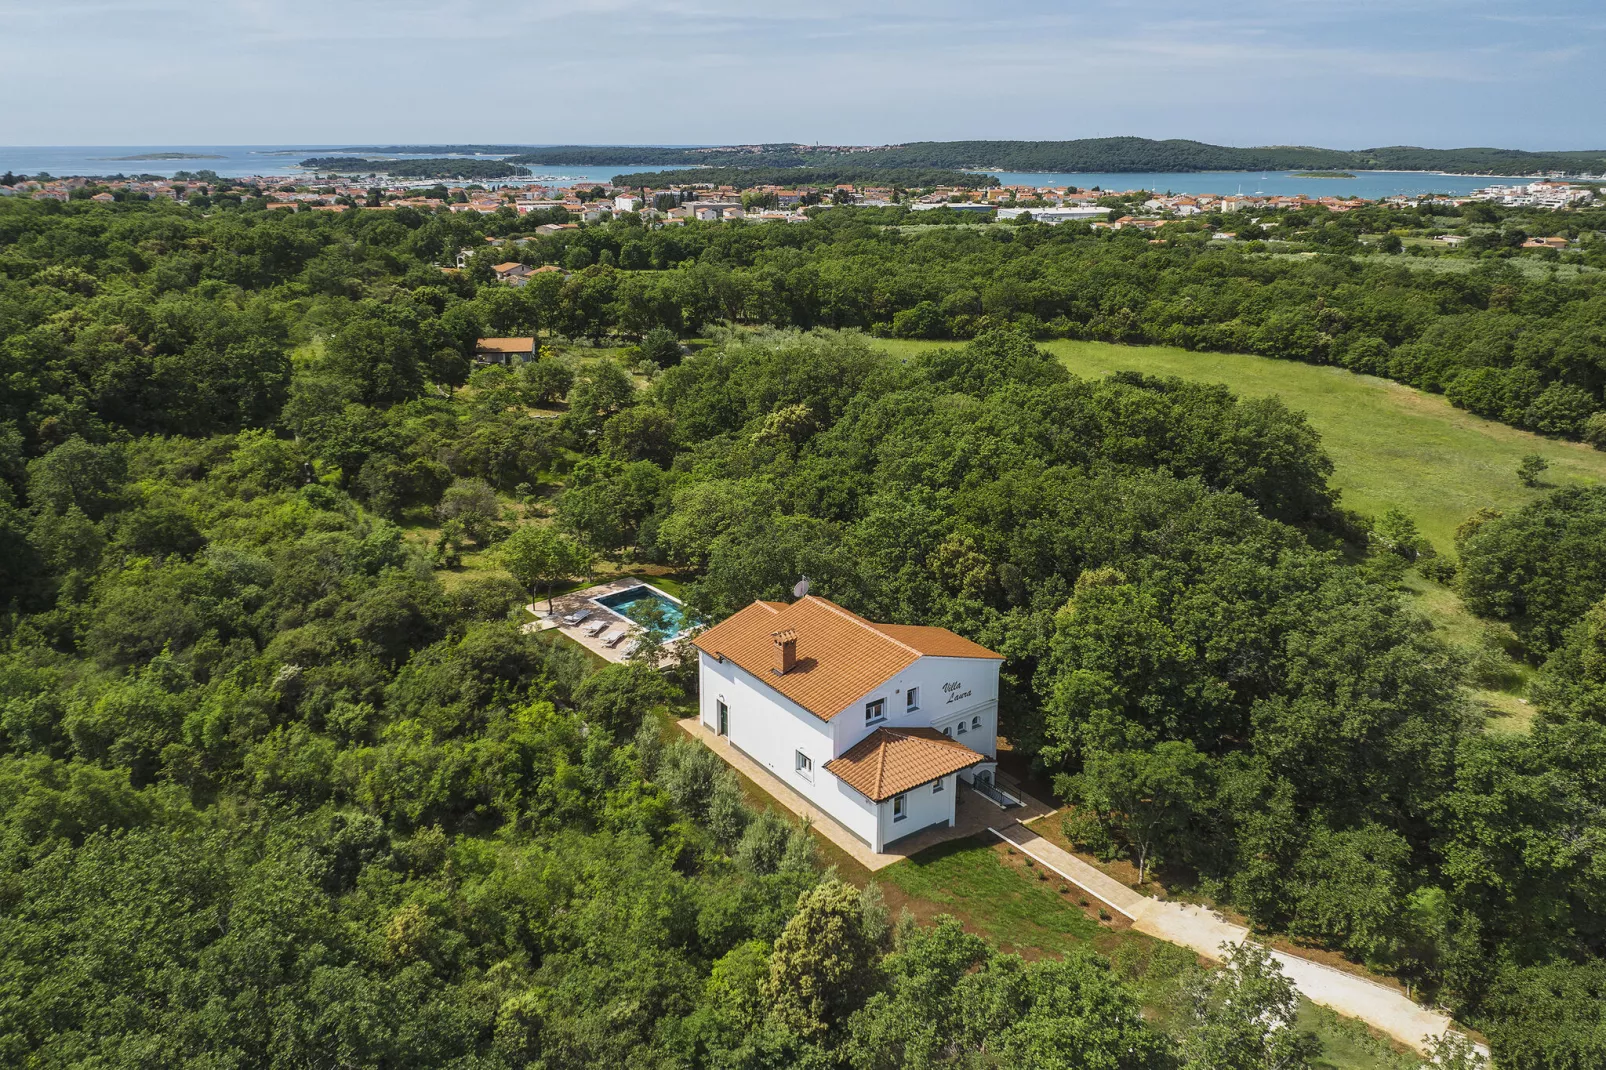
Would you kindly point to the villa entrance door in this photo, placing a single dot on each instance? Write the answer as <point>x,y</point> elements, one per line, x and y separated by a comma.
<point>724,726</point>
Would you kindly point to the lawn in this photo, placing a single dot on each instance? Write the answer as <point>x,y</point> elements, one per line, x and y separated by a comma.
<point>999,896</point>
<point>993,892</point>
<point>1391,445</point>
<point>1348,1044</point>
<point>976,882</point>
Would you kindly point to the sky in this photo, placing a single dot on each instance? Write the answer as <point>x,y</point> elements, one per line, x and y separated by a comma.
<point>1345,74</point>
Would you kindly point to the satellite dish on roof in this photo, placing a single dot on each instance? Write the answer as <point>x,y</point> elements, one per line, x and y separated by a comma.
<point>800,588</point>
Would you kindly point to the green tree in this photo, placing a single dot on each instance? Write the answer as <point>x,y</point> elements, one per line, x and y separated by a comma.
<point>379,364</point>
<point>617,697</point>
<point>540,557</point>
<point>660,348</point>
<point>1151,798</point>
<point>548,380</point>
<point>1242,1017</point>
<point>1395,532</point>
<point>641,433</point>
<point>824,962</point>
<point>1572,682</point>
<point>1533,466</point>
<point>473,505</point>
<point>1541,567</point>
<point>600,391</point>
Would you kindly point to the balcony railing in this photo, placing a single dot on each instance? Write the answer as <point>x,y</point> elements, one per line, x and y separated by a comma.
<point>999,794</point>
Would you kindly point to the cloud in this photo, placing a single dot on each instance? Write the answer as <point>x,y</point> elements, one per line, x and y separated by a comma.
<point>255,71</point>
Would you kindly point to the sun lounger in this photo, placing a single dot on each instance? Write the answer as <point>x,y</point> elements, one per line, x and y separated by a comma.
<point>616,638</point>
<point>596,629</point>
<point>631,647</point>
<point>576,617</point>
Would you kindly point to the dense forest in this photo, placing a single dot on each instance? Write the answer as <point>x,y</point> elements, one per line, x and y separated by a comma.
<point>1503,343</point>
<point>1087,154</point>
<point>777,156</point>
<point>287,785</point>
<point>416,168</point>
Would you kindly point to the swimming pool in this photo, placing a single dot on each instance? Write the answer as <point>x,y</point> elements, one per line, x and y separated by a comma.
<point>622,602</point>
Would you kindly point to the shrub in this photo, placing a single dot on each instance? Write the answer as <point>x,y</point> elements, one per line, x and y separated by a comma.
<point>1561,409</point>
<point>1593,430</point>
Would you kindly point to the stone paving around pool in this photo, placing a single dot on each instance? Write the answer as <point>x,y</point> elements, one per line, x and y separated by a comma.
<point>582,600</point>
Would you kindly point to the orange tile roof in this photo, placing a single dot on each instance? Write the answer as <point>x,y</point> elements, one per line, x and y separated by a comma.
<point>840,655</point>
<point>890,761</point>
<point>506,345</point>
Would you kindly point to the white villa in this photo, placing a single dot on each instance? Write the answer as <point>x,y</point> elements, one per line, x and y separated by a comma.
<point>872,723</point>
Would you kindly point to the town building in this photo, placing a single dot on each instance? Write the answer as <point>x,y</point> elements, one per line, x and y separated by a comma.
<point>504,350</point>
<point>1061,214</point>
<point>961,206</point>
<point>877,725</point>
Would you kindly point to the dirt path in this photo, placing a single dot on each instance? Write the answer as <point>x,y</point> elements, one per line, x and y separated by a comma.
<point>1204,932</point>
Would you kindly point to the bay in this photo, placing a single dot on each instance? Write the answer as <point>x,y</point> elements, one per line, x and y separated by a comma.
<point>240,161</point>
<point>243,161</point>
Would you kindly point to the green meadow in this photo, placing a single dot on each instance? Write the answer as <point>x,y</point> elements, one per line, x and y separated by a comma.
<point>1391,445</point>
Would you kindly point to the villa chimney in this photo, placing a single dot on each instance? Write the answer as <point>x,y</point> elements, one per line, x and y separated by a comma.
<point>785,650</point>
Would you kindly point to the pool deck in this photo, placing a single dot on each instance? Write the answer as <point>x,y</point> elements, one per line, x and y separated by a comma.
<point>564,604</point>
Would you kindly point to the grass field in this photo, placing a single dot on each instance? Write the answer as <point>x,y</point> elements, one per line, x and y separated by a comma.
<point>1391,445</point>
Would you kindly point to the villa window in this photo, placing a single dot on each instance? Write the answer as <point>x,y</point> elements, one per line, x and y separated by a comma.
<point>804,765</point>
<point>911,700</point>
<point>936,786</point>
<point>875,711</point>
<point>948,732</point>
<point>975,724</point>
<point>899,808</point>
<point>962,728</point>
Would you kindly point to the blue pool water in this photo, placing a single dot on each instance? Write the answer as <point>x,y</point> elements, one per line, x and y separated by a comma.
<point>623,601</point>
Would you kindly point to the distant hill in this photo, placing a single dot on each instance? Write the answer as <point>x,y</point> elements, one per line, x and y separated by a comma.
<point>1089,154</point>
<point>748,177</point>
<point>780,155</point>
<point>436,168</point>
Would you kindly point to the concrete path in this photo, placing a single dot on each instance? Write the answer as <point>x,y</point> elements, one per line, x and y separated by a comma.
<point>1203,931</point>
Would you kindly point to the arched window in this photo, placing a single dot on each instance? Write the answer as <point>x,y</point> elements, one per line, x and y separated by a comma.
<point>975,722</point>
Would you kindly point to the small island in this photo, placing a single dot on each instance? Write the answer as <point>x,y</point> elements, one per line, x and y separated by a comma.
<point>1323,174</point>
<point>165,156</point>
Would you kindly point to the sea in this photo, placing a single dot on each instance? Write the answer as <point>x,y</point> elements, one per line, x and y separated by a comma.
<point>242,161</point>
<point>246,161</point>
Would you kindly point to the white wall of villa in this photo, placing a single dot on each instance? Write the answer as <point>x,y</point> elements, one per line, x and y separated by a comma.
<point>771,729</point>
<point>949,693</point>
<point>955,695</point>
<point>923,806</point>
